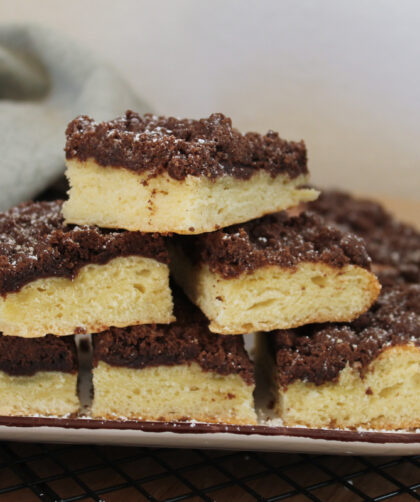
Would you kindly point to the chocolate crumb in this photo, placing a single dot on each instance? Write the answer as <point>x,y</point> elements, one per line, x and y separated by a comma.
<point>26,356</point>
<point>274,240</point>
<point>393,246</point>
<point>208,147</point>
<point>317,353</point>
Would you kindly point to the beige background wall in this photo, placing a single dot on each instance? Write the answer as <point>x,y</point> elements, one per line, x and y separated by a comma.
<point>343,75</point>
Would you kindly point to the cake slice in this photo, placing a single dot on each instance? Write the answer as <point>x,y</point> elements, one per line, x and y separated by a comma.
<point>394,246</point>
<point>363,374</point>
<point>63,279</point>
<point>276,272</point>
<point>173,372</point>
<point>38,376</point>
<point>157,174</point>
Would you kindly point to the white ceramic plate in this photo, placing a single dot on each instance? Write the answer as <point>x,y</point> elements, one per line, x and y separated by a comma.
<point>197,435</point>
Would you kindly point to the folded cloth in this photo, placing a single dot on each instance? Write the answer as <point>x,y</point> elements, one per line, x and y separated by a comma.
<point>45,81</point>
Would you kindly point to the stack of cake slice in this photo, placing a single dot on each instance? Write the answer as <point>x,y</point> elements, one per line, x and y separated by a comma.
<point>60,280</point>
<point>150,196</point>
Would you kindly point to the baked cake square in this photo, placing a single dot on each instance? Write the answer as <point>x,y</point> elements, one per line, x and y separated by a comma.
<point>38,376</point>
<point>173,372</point>
<point>362,374</point>
<point>157,174</point>
<point>61,279</point>
<point>276,272</point>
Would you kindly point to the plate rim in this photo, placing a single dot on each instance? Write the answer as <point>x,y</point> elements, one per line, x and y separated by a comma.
<point>199,428</point>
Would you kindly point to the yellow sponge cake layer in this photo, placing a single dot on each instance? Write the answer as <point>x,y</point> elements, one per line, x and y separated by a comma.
<point>125,291</point>
<point>273,297</point>
<point>113,197</point>
<point>47,393</point>
<point>171,393</point>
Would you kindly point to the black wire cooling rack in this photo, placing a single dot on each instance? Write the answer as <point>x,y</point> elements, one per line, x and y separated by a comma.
<point>32,472</point>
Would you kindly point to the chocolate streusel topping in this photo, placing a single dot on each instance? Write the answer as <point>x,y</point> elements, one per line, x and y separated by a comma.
<point>389,242</point>
<point>186,341</point>
<point>26,356</point>
<point>208,147</point>
<point>35,243</point>
<point>317,353</point>
<point>277,239</point>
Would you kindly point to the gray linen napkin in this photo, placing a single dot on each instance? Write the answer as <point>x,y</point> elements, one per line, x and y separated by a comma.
<point>45,81</point>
